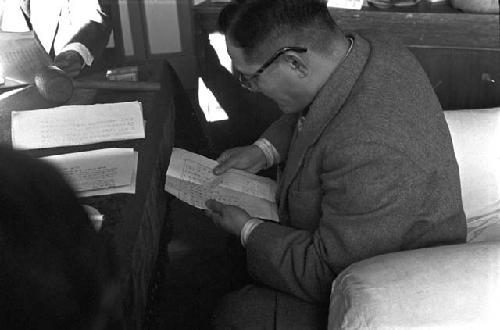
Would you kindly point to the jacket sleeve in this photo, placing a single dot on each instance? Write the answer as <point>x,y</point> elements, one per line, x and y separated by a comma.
<point>280,133</point>
<point>372,200</point>
<point>92,25</point>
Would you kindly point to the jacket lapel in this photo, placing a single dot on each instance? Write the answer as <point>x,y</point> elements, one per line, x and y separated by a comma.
<point>324,108</point>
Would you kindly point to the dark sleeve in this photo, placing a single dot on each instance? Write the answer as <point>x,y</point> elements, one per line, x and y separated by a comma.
<point>280,133</point>
<point>94,25</point>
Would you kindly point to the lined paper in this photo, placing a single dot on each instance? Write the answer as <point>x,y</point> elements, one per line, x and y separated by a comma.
<point>98,172</point>
<point>190,178</point>
<point>77,125</point>
<point>21,57</point>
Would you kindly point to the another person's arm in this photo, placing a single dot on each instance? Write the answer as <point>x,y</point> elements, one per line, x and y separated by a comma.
<point>93,27</point>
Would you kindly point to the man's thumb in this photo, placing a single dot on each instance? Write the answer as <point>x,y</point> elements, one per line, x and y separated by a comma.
<point>223,167</point>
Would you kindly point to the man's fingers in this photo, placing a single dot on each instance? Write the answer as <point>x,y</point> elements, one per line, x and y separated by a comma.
<point>225,165</point>
<point>72,72</point>
<point>223,157</point>
<point>214,206</point>
<point>216,218</point>
<point>71,69</point>
<point>61,64</point>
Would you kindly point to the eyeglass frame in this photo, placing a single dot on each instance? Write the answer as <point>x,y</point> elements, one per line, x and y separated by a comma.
<point>247,82</point>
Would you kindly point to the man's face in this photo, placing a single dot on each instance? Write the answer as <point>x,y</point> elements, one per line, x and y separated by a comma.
<point>277,81</point>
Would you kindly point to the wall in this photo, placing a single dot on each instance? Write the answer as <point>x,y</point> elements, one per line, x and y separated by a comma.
<point>157,29</point>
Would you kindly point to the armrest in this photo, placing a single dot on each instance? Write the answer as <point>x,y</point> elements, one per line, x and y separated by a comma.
<point>447,287</point>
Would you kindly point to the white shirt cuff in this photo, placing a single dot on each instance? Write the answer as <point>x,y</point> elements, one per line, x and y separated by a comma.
<point>247,229</point>
<point>82,50</point>
<point>272,155</point>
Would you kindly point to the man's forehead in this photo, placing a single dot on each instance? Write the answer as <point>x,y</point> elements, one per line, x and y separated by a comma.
<point>234,52</point>
<point>237,56</point>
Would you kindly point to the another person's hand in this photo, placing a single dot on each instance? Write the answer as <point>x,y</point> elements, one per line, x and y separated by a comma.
<point>231,218</point>
<point>249,158</point>
<point>70,62</point>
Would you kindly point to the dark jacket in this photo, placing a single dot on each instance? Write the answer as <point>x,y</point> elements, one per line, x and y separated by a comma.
<point>372,171</point>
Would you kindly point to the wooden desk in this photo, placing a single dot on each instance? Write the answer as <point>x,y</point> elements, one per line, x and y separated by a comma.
<point>132,222</point>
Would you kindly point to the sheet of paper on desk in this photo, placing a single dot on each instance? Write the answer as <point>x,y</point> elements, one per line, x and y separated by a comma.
<point>99,172</point>
<point>190,178</point>
<point>21,57</point>
<point>77,125</point>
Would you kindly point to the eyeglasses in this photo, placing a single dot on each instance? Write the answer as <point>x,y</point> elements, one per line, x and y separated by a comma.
<point>248,82</point>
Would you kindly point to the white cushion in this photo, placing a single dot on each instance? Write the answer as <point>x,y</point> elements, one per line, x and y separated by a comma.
<point>484,228</point>
<point>448,287</point>
<point>476,140</point>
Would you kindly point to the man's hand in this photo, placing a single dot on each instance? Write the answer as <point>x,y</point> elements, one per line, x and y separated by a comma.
<point>70,62</point>
<point>249,158</point>
<point>231,218</point>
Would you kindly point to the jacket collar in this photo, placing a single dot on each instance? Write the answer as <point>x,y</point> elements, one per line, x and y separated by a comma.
<point>325,107</point>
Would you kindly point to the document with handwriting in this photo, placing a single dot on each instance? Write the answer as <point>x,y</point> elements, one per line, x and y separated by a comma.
<point>99,172</point>
<point>21,57</point>
<point>190,178</point>
<point>77,125</point>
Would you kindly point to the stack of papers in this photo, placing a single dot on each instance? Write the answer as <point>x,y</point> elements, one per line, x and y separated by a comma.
<point>21,58</point>
<point>190,178</point>
<point>96,172</point>
<point>99,172</point>
<point>77,125</point>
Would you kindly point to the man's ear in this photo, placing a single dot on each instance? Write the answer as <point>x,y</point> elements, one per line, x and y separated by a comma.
<point>297,64</point>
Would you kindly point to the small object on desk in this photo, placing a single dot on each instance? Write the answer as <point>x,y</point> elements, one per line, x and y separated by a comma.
<point>476,6</point>
<point>56,86</point>
<point>346,4</point>
<point>124,73</point>
<point>95,216</point>
<point>77,125</point>
<point>405,3</point>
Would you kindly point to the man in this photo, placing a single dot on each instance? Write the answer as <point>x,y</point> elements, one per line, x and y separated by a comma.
<point>370,167</point>
<point>75,32</point>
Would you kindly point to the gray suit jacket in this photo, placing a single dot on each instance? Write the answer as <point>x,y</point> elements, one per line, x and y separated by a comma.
<point>372,171</point>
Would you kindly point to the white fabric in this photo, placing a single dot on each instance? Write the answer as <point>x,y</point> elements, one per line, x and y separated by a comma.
<point>476,140</point>
<point>447,287</point>
<point>484,228</point>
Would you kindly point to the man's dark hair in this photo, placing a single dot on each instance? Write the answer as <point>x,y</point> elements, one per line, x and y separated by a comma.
<point>251,24</point>
<point>54,267</point>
